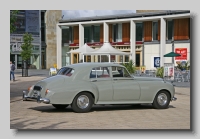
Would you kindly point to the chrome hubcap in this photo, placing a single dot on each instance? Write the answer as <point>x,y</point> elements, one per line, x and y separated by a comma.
<point>83,101</point>
<point>162,99</point>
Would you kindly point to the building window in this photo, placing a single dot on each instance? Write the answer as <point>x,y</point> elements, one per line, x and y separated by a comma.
<point>65,35</point>
<point>114,32</point>
<point>87,34</point>
<point>43,26</point>
<point>126,58</point>
<point>119,39</point>
<point>137,63</point>
<point>139,31</point>
<point>117,32</point>
<point>71,31</point>
<point>169,29</point>
<point>155,30</point>
<point>96,34</point>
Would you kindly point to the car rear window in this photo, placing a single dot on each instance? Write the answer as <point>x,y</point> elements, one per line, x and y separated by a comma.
<point>66,71</point>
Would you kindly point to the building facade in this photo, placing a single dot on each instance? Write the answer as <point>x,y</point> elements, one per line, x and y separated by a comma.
<point>146,35</point>
<point>31,21</point>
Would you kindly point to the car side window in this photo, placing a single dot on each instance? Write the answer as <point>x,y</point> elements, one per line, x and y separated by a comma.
<point>119,72</point>
<point>100,72</point>
<point>93,73</point>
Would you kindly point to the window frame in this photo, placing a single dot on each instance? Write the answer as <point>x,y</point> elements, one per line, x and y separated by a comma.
<point>142,31</point>
<point>96,69</point>
<point>167,28</point>
<point>116,67</point>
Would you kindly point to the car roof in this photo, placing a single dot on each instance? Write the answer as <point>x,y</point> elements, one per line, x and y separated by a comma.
<point>90,65</point>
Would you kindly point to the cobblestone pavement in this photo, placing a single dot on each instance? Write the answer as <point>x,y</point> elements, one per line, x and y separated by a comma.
<point>31,115</point>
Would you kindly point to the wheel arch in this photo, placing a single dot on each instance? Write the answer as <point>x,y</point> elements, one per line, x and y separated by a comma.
<point>164,90</point>
<point>86,92</point>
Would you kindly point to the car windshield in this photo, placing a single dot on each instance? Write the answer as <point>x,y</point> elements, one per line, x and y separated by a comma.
<point>66,71</point>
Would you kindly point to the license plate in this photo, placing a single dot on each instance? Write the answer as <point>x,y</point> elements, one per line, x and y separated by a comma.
<point>35,94</point>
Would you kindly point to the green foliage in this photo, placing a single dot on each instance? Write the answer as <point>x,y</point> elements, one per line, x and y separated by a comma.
<point>160,72</point>
<point>13,19</point>
<point>186,66</point>
<point>130,66</point>
<point>26,46</point>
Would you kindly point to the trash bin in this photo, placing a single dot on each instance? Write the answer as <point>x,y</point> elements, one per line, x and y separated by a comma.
<point>24,68</point>
<point>52,71</point>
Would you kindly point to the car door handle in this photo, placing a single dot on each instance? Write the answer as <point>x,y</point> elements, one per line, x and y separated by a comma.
<point>115,79</point>
<point>93,80</point>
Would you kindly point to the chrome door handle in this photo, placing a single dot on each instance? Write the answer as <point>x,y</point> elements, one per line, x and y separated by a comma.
<point>93,80</point>
<point>115,79</point>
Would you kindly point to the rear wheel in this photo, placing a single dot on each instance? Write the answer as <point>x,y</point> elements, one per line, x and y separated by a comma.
<point>82,102</point>
<point>162,99</point>
<point>60,106</point>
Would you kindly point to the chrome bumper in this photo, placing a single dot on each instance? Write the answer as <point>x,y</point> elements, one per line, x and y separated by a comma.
<point>38,99</point>
<point>174,99</point>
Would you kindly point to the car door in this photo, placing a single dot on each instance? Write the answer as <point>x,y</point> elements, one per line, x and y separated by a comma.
<point>124,86</point>
<point>101,78</point>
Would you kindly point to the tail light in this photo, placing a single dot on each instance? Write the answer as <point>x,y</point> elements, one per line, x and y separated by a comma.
<point>30,88</point>
<point>47,91</point>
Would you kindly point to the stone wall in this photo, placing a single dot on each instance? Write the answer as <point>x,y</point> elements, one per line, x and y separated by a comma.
<point>51,19</point>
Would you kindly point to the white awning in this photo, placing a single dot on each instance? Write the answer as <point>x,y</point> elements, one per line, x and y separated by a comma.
<point>83,49</point>
<point>106,49</point>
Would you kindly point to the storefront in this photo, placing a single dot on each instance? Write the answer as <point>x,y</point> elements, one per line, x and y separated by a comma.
<point>28,21</point>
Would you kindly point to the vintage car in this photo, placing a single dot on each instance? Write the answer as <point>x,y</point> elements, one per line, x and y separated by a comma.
<point>83,85</point>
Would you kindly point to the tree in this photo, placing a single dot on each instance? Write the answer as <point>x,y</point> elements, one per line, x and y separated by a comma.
<point>13,19</point>
<point>130,66</point>
<point>26,46</point>
<point>160,72</point>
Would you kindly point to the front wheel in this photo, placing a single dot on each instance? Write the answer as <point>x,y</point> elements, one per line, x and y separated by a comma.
<point>60,106</point>
<point>161,101</point>
<point>82,103</point>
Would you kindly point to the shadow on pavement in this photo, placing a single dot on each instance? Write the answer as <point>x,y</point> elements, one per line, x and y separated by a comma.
<point>98,108</point>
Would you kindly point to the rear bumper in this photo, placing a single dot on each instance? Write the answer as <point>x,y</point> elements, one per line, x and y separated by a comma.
<point>174,99</point>
<point>39,99</point>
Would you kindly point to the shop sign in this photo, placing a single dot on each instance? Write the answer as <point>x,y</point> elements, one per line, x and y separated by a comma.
<point>16,47</point>
<point>16,39</point>
<point>156,62</point>
<point>182,52</point>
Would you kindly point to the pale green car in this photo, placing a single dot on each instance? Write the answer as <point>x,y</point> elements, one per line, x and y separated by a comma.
<point>86,84</point>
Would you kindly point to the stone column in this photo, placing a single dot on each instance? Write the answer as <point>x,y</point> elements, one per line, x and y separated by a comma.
<point>162,41</point>
<point>81,39</point>
<point>59,46</point>
<point>51,19</point>
<point>92,58</point>
<point>132,40</point>
<point>105,32</point>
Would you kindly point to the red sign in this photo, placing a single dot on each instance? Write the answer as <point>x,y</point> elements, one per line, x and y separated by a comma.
<point>182,52</point>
